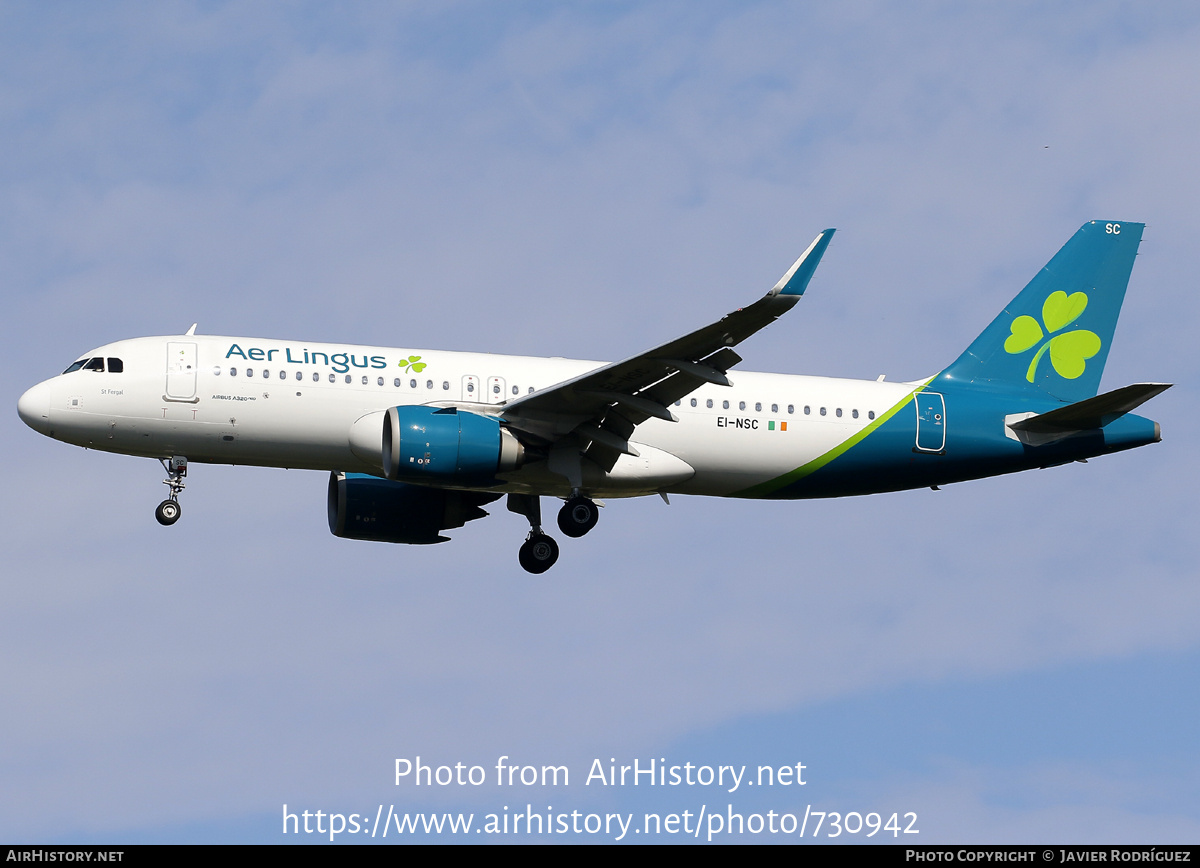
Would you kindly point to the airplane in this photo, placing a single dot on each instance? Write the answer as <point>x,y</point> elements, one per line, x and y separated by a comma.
<point>418,441</point>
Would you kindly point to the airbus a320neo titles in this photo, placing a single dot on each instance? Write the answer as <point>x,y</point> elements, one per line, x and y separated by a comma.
<point>418,441</point>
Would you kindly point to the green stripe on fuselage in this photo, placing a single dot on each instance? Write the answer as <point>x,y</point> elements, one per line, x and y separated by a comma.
<point>772,485</point>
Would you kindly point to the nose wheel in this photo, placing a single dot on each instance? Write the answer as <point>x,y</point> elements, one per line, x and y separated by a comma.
<point>168,511</point>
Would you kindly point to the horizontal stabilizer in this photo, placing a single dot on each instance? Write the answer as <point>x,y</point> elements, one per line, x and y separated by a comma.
<point>1091,413</point>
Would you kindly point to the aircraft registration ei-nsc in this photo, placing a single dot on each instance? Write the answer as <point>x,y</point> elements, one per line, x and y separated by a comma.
<point>418,441</point>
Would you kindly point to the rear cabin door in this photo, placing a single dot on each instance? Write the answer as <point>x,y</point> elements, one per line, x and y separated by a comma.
<point>931,422</point>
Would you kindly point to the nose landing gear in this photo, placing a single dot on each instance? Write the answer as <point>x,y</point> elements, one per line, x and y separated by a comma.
<point>168,511</point>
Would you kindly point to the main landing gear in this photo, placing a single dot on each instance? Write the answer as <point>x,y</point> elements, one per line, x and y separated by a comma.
<point>168,511</point>
<point>578,516</point>
<point>539,552</point>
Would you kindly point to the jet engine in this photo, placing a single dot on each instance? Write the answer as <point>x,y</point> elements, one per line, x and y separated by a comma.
<point>370,508</point>
<point>447,446</point>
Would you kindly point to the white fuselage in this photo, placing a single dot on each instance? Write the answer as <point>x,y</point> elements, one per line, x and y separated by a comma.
<point>294,404</point>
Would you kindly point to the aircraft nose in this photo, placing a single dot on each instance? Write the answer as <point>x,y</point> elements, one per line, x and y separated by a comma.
<point>34,408</point>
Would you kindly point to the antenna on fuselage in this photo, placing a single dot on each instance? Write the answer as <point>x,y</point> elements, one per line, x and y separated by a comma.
<point>191,331</point>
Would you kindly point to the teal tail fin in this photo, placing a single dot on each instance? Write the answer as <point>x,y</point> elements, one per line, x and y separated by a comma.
<point>1055,335</point>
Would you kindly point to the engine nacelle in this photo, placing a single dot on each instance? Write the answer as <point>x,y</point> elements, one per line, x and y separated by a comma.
<point>370,508</point>
<point>446,446</point>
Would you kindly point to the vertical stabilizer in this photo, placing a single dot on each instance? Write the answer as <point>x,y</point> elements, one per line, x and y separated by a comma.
<point>1055,335</point>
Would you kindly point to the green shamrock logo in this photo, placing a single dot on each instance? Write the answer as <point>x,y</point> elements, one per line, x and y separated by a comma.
<point>1069,351</point>
<point>413,364</point>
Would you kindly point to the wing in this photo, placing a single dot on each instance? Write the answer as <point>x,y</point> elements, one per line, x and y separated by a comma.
<point>603,407</point>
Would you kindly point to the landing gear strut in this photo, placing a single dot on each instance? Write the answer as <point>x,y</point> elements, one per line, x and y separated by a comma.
<point>578,516</point>
<point>539,552</point>
<point>168,511</point>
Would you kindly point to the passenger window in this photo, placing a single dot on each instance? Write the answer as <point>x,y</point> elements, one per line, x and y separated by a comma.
<point>708,403</point>
<point>807,410</point>
<point>693,402</point>
<point>249,372</point>
<point>516,391</point>
<point>396,382</point>
<point>316,377</point>
<point>216,370</point>
<point>741,405</point>
<point>445,385</point>
<point>332,378</point>
<point>870,414</point>
<point>822,411</point>
<point>380,381</point>
<point>299,375</point>
<point>266,374</point>
<point>724,405</point>
<point>470,387</point>
<point>774,408</point>
<point>854,414</point>
<point>791,408</point>
<point>531,390</point>
<point>412,384</point>
<point>283,375</point>
<point>496,389</point>
<point>116,366</point>
<point>349,379</point>
<point>96,364</point>
<point>839,412</point>
<point>429,384</point>
<point>233,372</point>
<point>758,406</point>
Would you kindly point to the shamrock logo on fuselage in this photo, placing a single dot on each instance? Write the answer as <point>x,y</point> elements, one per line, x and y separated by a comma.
<point>1069,351</point>
<point>413,363</point>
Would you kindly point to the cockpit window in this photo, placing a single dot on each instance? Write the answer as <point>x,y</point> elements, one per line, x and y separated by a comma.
<point>115,366</point>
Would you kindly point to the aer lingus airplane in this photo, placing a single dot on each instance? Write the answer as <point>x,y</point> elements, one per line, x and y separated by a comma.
<point>417,441</point>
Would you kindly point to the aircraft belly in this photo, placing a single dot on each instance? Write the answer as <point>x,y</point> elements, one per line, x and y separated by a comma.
<point>649,471</point>
<point>729,459</point>
<point>652,470</point>
<point>207,432</point>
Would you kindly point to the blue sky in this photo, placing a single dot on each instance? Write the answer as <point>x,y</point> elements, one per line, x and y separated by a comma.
<point>1013,659</point>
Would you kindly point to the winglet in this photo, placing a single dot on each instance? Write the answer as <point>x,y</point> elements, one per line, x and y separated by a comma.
<point>797,277</point>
